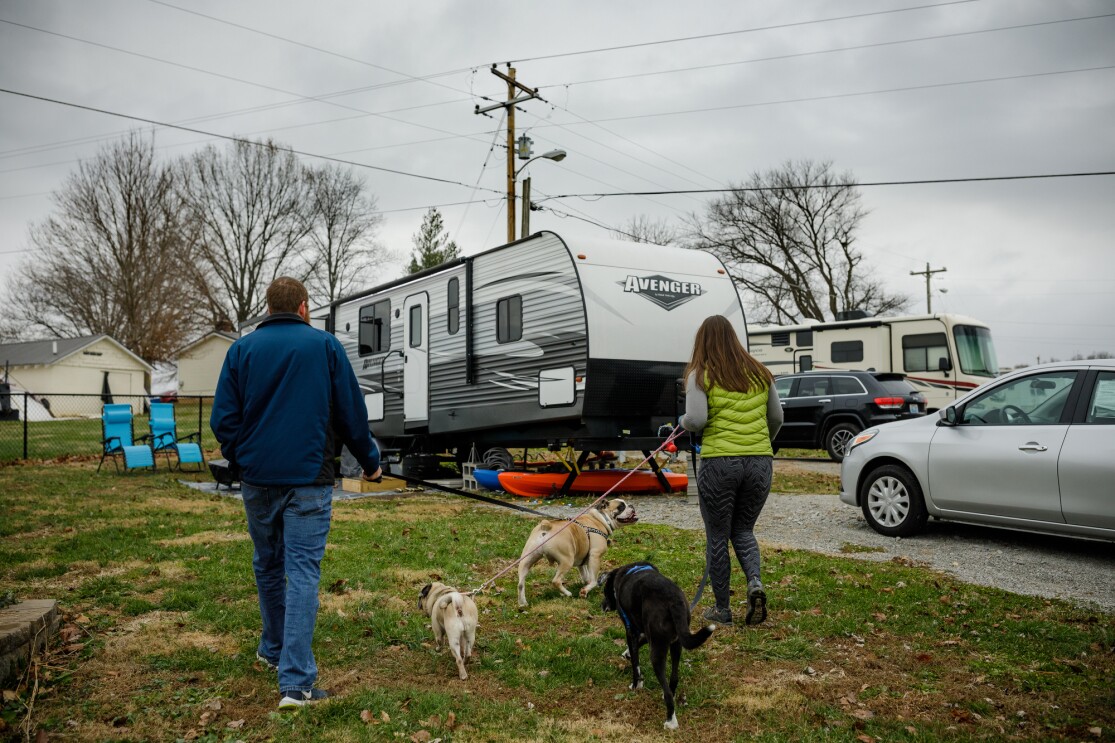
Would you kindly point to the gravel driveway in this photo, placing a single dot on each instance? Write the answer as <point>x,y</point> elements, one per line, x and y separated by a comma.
<point>1076,570</point>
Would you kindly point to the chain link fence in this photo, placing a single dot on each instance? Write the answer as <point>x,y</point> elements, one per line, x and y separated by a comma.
<point>49,425</point>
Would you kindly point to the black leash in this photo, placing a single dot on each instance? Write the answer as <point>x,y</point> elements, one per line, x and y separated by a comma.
<point>464,493</point>
<point>704,578</point>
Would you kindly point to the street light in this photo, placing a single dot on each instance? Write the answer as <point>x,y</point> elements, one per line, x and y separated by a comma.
<point>556,156</point>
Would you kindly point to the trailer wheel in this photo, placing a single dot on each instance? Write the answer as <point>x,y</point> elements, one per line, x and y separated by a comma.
<point>837,439</point>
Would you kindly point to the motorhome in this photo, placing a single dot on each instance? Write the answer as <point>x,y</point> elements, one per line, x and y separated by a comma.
<point>942,355</point>
<point>539,342</point>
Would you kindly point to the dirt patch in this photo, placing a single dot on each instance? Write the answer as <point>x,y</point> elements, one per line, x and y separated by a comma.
<point>205,537</point>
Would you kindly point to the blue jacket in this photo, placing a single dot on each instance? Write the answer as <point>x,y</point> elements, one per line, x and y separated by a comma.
<point>286,395</point>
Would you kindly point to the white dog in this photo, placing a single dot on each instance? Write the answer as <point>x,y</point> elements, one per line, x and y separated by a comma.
<point>453,617</point>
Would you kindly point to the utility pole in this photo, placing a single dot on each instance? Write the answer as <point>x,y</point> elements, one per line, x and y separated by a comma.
<point>528,94</point>
<point>927,273</point>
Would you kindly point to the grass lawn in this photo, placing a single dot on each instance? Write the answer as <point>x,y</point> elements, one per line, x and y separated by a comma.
<point>161,623</point>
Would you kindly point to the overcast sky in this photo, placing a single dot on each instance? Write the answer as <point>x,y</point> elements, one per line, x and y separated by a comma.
<point>643,96</point>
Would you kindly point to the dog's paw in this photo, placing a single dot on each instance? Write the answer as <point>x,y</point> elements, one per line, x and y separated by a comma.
<point>636,687</point>
<point>626,654</point>
<point>671,724</point>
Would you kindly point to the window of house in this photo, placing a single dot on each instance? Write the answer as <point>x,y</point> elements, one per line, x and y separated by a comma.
<point>453,316</point>
<point>846,351</point>
<point>923,352</point>
<point>509,319</point>
<point>375,328</point>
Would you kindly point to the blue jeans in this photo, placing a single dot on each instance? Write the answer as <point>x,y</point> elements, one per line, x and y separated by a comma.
<point>289,526</point>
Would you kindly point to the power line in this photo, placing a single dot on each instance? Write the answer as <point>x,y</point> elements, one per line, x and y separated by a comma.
<point>237,139</point>
<point>858,47</point>
<point>795,24</point>
<point>835,96</point>
<point>806,187</point>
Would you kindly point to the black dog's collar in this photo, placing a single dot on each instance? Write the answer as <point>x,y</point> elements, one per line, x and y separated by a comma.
<point>619,608</point>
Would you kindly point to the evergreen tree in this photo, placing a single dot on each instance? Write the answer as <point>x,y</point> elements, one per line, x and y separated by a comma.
<point>432,245</point>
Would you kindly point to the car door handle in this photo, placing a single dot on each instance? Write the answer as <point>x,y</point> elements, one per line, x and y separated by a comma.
<point>1033,446</point>
<point>825,399</point>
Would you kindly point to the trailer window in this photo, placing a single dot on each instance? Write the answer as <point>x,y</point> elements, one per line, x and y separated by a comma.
<point>375,328</point>
<point>846,351</point>
<point>453,316</point>
<point>509,319</point>
<point>415,324</point>
<point>923,352</point>
<point>804,338</point>
<point>805,363</point>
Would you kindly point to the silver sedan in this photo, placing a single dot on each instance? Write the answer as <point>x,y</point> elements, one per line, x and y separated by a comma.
<point>1032,450</point>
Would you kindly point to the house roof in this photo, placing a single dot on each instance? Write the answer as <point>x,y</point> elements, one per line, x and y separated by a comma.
<point>34,353</point>
<point>230,337</point>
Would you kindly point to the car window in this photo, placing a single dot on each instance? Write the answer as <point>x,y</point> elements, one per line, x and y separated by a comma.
<point>1101,407</point>
<point>896,387</point>
<point>782,386</point>
<point>1034,399</point>
<point>847,386</point>
<point>814,386</point>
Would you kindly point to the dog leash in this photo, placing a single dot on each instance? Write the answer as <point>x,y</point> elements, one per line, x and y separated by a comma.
<point>491,581</point>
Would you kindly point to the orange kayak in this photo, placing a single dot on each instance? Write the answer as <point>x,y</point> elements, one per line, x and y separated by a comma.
<point>543,484</point>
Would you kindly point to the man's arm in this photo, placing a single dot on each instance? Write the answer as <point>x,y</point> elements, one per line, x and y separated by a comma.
<point>351,414</point>
<point>225,418</point>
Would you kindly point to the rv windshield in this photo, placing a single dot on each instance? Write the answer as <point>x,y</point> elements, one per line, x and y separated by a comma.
<point>976,351</point>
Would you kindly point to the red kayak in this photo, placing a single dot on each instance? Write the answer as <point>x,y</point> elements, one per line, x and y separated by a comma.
<point>544,484</point>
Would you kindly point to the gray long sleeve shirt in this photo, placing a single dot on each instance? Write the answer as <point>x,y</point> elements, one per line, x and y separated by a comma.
<point>696,408</point>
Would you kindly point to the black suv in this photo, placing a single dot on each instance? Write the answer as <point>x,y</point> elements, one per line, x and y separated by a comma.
<point>826,409</point>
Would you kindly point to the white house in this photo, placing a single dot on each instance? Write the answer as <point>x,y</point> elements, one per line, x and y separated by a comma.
<point>60,369</point>
<point>199,364</point>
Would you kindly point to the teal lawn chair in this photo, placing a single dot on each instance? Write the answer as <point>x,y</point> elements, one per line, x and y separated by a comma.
<point>165,438</point>
<point>117,441</point>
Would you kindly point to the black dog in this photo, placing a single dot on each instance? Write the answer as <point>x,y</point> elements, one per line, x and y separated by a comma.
<point>654,610</point>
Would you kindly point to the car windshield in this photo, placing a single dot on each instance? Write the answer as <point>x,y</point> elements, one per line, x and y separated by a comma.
<point>976,351</point>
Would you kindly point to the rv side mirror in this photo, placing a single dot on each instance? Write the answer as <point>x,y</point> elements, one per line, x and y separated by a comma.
<point>943,364</point>
<point>948,416</point>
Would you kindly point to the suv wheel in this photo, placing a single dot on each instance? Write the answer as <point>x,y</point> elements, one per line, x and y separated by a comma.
<point>837,439</point>
<point>892,502</point>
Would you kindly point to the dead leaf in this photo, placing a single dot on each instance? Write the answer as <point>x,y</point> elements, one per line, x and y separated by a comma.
<point>206,718</point>
<point>879,616</point>
<point>865,738</point>
<point>422,736</point>
<point>338,586</point>
<point>450,721</point>
<point>213,704</point>
<point>863,714</point>
<point>1097,731</point>
<point>82,619</point>
<point>368,718</point>
<point>10,696</point>
<point>235,724</point>
<point>385,717</point>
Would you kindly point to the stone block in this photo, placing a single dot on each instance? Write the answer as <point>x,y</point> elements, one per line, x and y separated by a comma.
<point>25,629</point>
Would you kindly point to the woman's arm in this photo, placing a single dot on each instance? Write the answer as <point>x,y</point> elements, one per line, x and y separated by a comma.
<point>696,405</point>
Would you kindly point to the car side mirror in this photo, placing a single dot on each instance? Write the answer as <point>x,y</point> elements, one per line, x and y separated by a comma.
<point>948,416</point>
<point>944,364</point>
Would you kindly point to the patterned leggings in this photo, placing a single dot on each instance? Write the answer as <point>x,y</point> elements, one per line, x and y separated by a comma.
<point>732,491</point>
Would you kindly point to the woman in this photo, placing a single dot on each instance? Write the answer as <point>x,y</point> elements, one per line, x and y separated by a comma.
<point>730,398</point>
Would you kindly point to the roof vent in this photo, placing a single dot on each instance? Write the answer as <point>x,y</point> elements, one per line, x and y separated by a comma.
<point>54,347</point>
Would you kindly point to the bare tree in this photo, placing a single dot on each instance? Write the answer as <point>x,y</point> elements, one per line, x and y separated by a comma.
<point>247,211</point>
<point>788,237</point>
<point>643,229</point>
<point>432,245</point>
<point>112,259</point>
<point>341,241</point>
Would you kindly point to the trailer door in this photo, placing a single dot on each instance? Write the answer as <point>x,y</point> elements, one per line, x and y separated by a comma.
<point>416,358</point>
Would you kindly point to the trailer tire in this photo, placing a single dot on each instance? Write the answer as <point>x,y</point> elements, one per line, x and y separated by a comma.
<point>837,439</point>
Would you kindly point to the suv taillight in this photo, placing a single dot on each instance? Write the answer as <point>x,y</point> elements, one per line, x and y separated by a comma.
<point>890,403</point>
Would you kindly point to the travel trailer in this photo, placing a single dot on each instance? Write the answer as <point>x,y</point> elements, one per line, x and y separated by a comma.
<point>537,343</point>
<point>943,356</point>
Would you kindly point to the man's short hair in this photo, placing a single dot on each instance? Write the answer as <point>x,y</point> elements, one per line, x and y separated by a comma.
<point>285,294</point>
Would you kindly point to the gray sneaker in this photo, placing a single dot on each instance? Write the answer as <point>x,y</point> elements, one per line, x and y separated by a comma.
<point>756,604</point>
<point>296,698</point>
<point>719,616</point>
<point>266,663</point>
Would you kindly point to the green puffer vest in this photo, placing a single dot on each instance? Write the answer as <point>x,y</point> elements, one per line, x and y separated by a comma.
<point>737,423</point>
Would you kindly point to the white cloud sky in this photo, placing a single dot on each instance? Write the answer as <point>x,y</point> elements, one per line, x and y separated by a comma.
<point>1032,258</point>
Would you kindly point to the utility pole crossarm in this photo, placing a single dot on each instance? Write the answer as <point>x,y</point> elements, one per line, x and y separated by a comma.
<point>928,273</point>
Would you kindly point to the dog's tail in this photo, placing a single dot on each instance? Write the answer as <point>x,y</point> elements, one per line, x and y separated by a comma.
<point>689,641</point>
<point>455,599</point>
<point>545,526</point>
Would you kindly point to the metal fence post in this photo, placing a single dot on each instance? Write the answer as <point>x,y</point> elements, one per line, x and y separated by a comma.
<point>25,424</point>
<point>199,399</point>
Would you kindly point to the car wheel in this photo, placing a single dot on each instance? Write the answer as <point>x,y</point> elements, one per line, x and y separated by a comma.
<point>837,439</point>
<point>892,502</point>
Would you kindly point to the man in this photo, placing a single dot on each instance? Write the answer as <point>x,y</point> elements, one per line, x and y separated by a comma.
<point>286,394</point>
